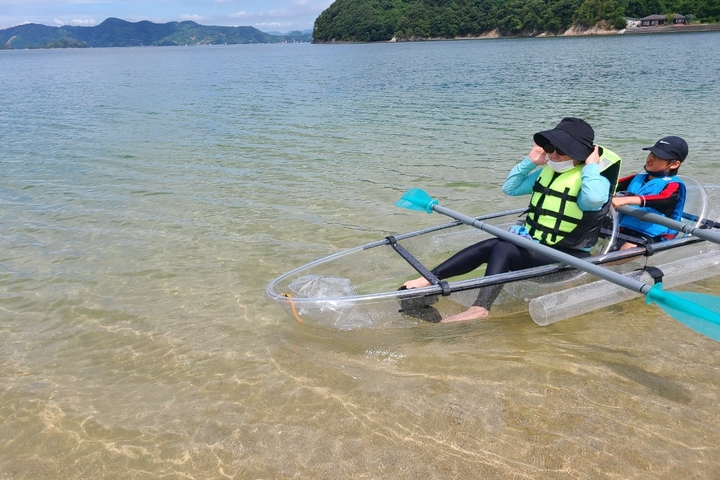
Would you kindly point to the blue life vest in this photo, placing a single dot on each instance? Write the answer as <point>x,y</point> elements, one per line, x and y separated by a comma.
<point>653,187</point>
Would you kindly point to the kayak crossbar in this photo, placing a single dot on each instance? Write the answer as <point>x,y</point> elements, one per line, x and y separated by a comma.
<point>418,265</point>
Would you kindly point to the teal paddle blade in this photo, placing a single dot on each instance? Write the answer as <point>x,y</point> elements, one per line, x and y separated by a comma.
<point>698,311</point>
<point>417,199</point>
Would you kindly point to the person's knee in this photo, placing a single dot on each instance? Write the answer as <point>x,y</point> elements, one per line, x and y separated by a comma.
<point>503,250</point>
<point>500,258</point>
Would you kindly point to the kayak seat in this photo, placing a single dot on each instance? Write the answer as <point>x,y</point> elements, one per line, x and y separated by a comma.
<point>696,203</point>
<point>694,212</point>
<point>608,234</point>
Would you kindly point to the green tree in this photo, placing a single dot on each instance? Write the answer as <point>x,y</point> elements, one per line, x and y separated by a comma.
<point>377,20</point>
<point>415,21</point>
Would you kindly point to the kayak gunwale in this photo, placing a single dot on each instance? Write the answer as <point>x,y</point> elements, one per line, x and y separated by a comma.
<point>460,285</point>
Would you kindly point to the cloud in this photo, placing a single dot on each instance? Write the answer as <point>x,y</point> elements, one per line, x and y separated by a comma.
<point>294,14</point>
<point>83,23</point>
<point>269,14</point>
<point>194,18</point>
<point>12,24</point>
<point>79,22</point>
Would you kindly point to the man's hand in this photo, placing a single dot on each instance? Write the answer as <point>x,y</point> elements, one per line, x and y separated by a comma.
<point>622,201</point>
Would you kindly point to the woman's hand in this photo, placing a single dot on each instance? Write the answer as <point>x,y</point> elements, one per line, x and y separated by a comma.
<point>594,156</point>
<point>537,155</point>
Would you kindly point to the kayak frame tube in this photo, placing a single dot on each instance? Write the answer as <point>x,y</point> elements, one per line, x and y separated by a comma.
<point>694,310</point>
<point>460,285</point>
<point>670,223</point>
<point>591,268</point>
<point>468,284</point>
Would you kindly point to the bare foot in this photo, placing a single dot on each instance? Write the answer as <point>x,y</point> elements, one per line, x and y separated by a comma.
<point>417,283</point>
<point>625,246</point>
<point>472,313</point>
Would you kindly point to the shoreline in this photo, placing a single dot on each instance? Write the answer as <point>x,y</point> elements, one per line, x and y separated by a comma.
<point>570,32</point>
<point>707,27</point>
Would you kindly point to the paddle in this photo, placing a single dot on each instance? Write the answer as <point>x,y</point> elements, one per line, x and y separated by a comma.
<point>670,223</point>
<point>695,310</point>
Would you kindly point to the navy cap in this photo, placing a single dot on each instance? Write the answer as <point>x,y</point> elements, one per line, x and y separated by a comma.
<point>572,135</point>
<point>670,148</point>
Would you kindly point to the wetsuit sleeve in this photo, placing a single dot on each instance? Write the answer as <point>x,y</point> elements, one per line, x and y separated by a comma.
<point>595,189</point>
<point>521,178</point>
<point>624,183</point>
<point>665,200</point>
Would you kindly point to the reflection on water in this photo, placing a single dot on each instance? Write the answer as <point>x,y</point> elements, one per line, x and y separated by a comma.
<point>148,195</point>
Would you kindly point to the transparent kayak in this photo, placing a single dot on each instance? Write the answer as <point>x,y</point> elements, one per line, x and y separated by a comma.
<point>359,288</point>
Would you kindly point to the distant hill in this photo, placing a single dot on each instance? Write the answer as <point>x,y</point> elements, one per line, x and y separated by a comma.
<point>383,20</point>
<point>294,32</point>
<point>114,32</point>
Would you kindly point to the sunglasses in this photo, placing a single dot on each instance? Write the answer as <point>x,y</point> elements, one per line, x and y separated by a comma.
<point>550,148</point>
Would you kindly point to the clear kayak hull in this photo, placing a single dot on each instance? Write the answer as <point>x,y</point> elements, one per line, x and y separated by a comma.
<point>359,288</point>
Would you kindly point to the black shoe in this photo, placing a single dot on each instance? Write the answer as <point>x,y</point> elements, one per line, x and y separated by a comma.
<point>419,307</point>
<point>426,314</point>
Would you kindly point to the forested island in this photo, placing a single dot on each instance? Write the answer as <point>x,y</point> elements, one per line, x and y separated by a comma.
<point>114,32</point>
<point>384,20</point>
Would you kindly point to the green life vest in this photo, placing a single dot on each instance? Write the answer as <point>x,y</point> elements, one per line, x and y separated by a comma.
<point>554,217</point>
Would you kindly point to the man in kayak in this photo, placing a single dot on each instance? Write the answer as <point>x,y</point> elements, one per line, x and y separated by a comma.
<point>657,190</point>
<point>571,195</point>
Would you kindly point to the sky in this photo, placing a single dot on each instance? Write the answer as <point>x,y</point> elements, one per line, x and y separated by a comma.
<point>266,15</point>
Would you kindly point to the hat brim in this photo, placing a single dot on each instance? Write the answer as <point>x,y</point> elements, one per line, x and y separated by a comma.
<point>565,142</point>
<point>661,153</point>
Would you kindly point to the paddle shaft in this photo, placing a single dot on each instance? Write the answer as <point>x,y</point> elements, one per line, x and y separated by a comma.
<point>528,244</point>
<point>669,222</point>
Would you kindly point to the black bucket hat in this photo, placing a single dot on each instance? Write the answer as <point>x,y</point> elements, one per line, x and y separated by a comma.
<point>572,135</point>
<point>670,148</point>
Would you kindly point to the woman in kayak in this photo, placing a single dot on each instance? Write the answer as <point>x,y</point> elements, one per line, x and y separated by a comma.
<point>656,190</point>
<point>571,195</point>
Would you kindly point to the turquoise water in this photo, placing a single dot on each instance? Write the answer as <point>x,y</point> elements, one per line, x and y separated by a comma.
<point>148,195</point>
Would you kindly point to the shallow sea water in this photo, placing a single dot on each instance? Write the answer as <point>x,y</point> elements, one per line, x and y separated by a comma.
<point>148,196</point>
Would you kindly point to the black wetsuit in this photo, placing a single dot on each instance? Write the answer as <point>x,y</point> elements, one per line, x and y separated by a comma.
<point>500,256</point>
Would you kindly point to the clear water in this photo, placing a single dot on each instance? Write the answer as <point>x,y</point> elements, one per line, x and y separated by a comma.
<point>148,195</point>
